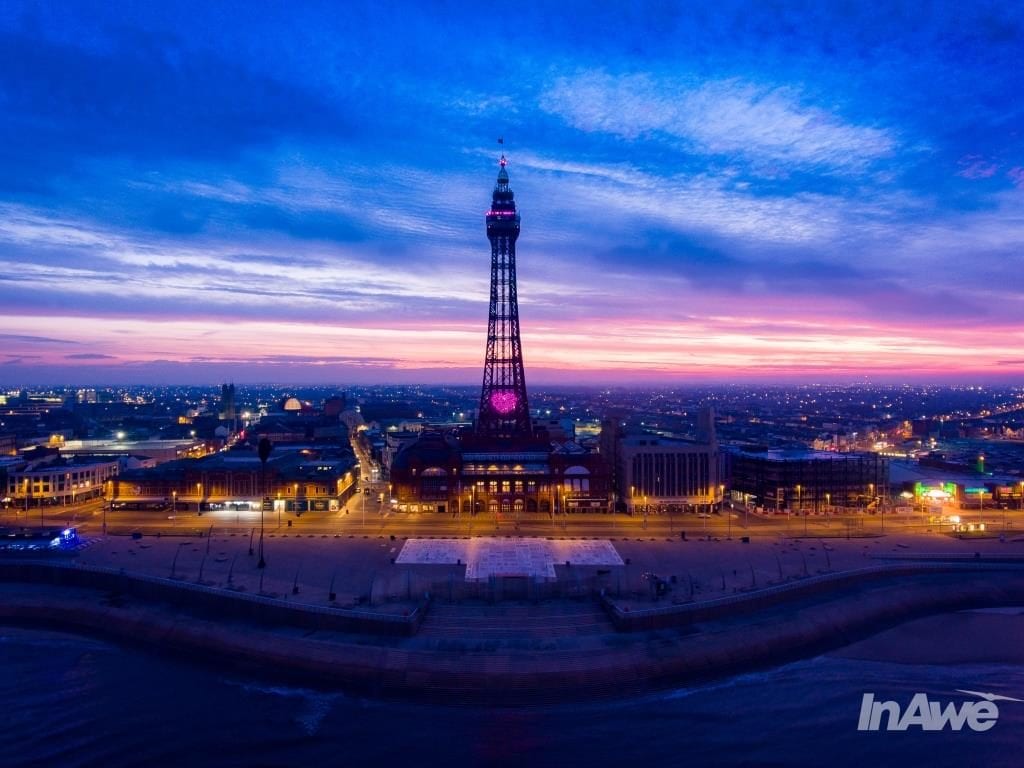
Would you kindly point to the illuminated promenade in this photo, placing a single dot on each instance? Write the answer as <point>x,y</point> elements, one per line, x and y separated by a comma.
<point>400,629</point>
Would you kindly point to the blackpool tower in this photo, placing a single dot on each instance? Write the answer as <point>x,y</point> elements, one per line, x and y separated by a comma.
<point>504,411</point>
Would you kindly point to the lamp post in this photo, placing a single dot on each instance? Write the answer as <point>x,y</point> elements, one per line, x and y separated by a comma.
<point>565,507</point>
<point>1021,496</point>
<point>828,503</point>
<point>800,505</point>
<point>199,499</point>
<point>263,450</point>
<point>721,508</point>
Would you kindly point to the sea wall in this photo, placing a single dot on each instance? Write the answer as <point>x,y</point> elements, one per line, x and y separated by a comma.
<point>202,600</point>
<point>763,630</point>
<point>823,586</point>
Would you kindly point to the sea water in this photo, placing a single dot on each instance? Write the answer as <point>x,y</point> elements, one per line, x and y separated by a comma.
<point>67,700</point>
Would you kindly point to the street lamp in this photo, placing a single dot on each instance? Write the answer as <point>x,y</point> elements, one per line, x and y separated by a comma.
<point>263,450</point>
<point>800,506</point>
<point>110,503</point>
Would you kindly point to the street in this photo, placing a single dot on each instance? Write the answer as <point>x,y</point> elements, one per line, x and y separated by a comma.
<point>365,514</point>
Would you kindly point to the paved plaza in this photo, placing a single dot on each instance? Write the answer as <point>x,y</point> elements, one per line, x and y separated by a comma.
<point>485,557</point>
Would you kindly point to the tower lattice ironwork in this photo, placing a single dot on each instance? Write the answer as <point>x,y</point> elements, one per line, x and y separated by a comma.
<point>504,411</point>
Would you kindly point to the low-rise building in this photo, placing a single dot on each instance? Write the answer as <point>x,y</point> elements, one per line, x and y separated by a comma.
<point>62,480</point>
<point>655,471</point>
<point>462,472</point>
<point>297,478</point>
<point>805,480</point>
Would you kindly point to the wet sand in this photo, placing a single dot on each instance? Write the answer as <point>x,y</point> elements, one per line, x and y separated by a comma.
<point>984,636</point>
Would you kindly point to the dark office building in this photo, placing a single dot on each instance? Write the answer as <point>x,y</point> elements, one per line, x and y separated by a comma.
<point>811,481</point>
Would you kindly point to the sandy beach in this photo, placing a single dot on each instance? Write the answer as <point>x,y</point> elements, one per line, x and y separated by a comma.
<point>983,636</point>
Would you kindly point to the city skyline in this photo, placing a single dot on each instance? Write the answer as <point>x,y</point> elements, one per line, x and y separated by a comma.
<point>299,196</point>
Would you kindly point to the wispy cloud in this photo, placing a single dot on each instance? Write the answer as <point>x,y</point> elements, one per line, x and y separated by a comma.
<point>976,167</point>
<point>12,338</point>
<point>763,123</point>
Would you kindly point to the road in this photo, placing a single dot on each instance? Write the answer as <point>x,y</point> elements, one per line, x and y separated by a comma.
<point>365,515</point>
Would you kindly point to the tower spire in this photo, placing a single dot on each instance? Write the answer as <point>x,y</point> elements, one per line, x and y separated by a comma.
<point>504,411</point>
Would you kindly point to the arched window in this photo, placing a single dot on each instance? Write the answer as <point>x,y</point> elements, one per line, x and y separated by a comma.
<point>577,478</point>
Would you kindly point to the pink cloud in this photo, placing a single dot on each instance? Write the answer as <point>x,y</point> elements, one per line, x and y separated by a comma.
<point>1016,175</point>
<point>976,167</point>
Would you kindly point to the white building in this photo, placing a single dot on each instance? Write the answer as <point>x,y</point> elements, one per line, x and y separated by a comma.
<point>57,480</point>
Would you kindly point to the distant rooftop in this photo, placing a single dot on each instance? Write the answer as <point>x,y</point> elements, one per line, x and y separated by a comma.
<point>799,454</point>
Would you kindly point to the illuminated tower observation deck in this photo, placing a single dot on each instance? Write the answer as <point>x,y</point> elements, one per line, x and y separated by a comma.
<point>504,411</point>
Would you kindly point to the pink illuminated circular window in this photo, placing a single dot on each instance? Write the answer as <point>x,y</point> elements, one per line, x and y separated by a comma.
<point>503,401</point>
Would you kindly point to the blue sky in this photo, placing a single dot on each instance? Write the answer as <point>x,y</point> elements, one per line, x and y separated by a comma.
<point>263,192</point>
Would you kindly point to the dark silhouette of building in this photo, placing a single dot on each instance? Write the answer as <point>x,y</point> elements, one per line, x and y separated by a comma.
<point>227,402</point>
<point>333,406</point>
<point>504,465</point>
<point>810,481</point>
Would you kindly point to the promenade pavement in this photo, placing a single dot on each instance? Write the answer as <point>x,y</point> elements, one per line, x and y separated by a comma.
<point>368,569</point>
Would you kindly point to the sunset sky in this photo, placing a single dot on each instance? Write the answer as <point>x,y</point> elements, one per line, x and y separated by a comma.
<point>294,192</point>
